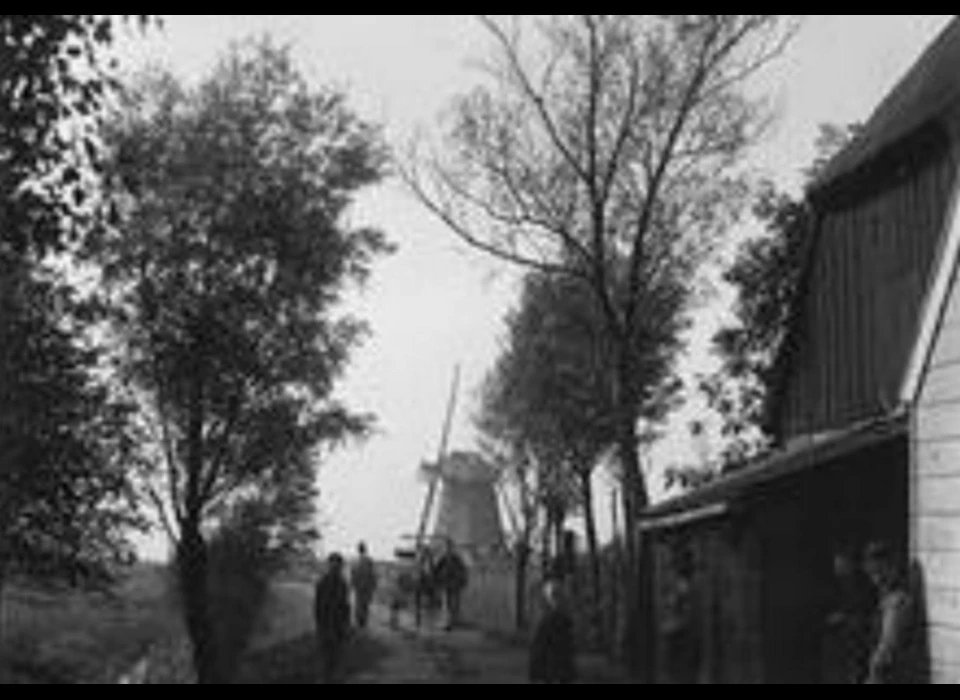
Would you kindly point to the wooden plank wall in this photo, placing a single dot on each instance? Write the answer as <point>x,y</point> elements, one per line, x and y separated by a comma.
<point>936,497</point>
<point>867,282</point>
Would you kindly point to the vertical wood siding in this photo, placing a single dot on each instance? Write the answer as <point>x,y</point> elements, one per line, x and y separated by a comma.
<point>870,271</point>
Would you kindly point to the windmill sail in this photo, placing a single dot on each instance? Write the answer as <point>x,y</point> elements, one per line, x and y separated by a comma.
<point>434,475</point>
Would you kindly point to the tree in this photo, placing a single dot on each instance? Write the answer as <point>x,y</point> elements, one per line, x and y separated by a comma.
<point>224,279</point>
<point>605,149</point>
<point>767,275</point>
<point>551,393</point>
<point>66,503</point>
<point>65,445</point>
<point>52,87</point>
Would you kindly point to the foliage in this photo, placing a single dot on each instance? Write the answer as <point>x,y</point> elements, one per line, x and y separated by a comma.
<point>66,503</point>
<point>767,276</point>
<point>52,87</point>
<point>243,561</point>
<point>606,149</point>
<point>553,389</point>
<point>230,261</point>
<point>223,281</point>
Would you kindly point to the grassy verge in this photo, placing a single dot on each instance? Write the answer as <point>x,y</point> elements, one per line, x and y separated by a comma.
<point>51,636</point>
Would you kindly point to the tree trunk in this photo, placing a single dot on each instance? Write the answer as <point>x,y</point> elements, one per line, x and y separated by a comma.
<point>195,595</point>
<point>597,632</point>
<point>638,638</point>
<point>193,551</point>
<point>559,520</point>
<point>545,553</point>
<point>593,548</point>
<point>523,563</point>
<point>616,575</point>
<point>3,595</point>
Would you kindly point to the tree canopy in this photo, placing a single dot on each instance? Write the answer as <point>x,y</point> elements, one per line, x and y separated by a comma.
<point>224,278</point>
<point>52,88</point>
<point>766,275</point>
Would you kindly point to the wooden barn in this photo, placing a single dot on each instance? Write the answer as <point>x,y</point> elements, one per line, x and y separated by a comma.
<point>868,409</point>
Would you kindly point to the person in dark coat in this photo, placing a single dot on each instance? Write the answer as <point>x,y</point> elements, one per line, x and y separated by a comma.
<point>553,649</point>
<point>332,617</point>
<point>849,627</point>
<point>363,578</point>
<point>452,576</point>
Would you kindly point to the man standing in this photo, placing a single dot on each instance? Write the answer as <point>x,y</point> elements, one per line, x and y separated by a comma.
<point>849,625</point>
<point>897,658</point>
<point>553,650</point>
<point>452,577</point>
<point>363,578</point>
<point>332,616</point>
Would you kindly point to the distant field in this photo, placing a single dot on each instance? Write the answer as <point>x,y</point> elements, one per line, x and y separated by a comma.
<point>64,637</point>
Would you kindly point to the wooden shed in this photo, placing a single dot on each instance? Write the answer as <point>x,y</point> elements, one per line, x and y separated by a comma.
<point>868,404</point>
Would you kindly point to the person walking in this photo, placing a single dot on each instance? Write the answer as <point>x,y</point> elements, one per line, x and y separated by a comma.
<point>453,578</point>
<point>553,649</point>
<point>332,617</point>
<point>424,587</point>
<point>363,580</point>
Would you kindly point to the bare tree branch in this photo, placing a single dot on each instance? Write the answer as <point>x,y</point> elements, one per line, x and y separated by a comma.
<point>464,233</point>
<point>165,520</point>
<point>536,99</point>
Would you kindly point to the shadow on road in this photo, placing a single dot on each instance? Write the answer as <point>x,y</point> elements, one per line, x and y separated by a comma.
<point>297,662</point>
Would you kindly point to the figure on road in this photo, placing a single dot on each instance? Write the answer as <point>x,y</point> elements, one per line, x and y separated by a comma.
<point>425,586</point>
<point>553,650</point>
<point>452,577</point>
<point>363,579</point>
<point>332,616</point>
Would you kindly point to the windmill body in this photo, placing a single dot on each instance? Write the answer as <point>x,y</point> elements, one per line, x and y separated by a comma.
<point>468,512</point>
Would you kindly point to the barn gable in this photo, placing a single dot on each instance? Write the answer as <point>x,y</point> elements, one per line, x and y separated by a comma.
<point>877,245</point>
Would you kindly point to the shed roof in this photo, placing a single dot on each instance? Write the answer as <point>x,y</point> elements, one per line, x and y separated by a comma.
<point>929,89</point>
<point>795,461</point>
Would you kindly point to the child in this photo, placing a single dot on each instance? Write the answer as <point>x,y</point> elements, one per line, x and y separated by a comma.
<point>552,654</point>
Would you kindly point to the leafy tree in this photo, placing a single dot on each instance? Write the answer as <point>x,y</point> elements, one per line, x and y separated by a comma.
<point>52,87</point>
<point>767,276</point>
<point>604,148</point>
<point>224,278</point>
<point>551,393</point>
<point>65,442</point>
<point>66,504</point>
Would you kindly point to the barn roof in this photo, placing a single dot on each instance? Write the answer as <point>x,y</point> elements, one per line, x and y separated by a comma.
<point>929,89</point>
<point>879,247</point>
<point>801,459</point>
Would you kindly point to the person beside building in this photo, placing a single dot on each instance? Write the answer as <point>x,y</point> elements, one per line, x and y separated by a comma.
<point>452,577</point>
<point>332,617</point>
<point>553,648</point>
<point>682,623</point>
<point>363,580</point>
<point>849,624</point>
<point>897,657</point>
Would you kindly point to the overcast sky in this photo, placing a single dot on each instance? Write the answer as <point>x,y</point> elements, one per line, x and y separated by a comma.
<point>435,305</point>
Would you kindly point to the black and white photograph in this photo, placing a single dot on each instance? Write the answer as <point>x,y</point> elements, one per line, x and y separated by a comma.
<point>480,349</point>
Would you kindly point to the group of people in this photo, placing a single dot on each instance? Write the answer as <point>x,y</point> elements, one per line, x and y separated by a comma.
<point>333,613</point>
<point>875,632</point>
<point>335,616</point>
<point>436,583</point>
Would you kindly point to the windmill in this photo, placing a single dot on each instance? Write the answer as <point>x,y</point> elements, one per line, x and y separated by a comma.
<point>464,483</point>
